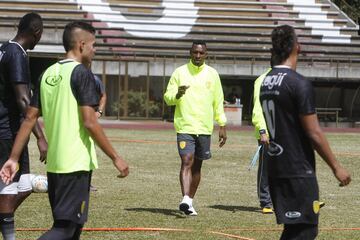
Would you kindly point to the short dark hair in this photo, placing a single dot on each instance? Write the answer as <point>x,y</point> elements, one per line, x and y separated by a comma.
<point>283,40</point>
<point>30,23</point>
<point>68,41</point>
<point>199,42</point>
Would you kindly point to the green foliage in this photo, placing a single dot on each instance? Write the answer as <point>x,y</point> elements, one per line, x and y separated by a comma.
<point>350,7</point>
<point>137,105</point>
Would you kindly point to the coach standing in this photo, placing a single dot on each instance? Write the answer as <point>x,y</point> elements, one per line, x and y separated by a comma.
<point>195,90</point>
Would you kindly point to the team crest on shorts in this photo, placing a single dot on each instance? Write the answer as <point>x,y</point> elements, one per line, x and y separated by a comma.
<point>182,144</point>
<point>316,207</point>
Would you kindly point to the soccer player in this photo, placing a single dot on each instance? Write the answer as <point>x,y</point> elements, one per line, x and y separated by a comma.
<point>263,140</point>
<point>195,90</point>
<point>15,85</point>
<point>287,100</point>
<point>66,97</point>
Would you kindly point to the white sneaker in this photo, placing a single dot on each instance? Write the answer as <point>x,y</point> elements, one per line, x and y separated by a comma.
<point>193,212</point>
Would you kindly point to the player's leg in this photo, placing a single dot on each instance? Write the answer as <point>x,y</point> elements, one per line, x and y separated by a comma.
<point>24,186</point>
<point>70,208</point>
<point>62,229</point>
<point>7,195</point>
<point>186,148</point>
<point>299,232</point>
<point>263,183</point>
<point>196,176</point>
<point>7,222</point>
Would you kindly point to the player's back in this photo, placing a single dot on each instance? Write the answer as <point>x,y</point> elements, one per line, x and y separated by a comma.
<point>284,96</point>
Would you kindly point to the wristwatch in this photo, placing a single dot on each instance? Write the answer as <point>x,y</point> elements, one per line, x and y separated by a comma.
<point>99,111</point>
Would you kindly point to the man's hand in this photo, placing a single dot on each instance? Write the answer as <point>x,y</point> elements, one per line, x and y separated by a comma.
<point>9,170</point>
<point>343,176</point>
<point>181,91</point>
<point>43,148</point>
<point>121,166</point>
<point>264,139</point>
<point>222,136</point>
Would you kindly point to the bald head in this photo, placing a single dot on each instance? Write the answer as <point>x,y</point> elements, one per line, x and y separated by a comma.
<point>30,23</point>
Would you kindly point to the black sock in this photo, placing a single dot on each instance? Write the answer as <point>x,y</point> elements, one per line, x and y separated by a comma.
<point>7,226</point>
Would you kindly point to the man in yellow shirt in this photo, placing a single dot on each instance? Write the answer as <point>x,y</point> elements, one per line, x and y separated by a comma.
<point>195,90</point>
<point>261,133</point>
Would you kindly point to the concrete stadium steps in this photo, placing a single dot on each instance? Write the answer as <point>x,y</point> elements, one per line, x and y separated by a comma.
<point>233,28</point>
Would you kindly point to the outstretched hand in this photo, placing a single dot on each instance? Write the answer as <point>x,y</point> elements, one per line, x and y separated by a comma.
<point>8,171</point>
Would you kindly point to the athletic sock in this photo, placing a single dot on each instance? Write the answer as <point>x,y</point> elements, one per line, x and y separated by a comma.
<point>187,200</point>
<point>7,226</point>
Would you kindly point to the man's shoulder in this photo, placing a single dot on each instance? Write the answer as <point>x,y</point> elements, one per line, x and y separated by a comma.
<point>211,69</point>
<point>12,49</point>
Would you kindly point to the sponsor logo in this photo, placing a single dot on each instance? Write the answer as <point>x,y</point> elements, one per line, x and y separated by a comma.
<point>10,219</point>
<point>273,80</point>
<point>53,80</point>
<point>167,26</point>
<point>182,144</point>
<point>292,214</point>
<point>275,149</point>
<point>316,207</point>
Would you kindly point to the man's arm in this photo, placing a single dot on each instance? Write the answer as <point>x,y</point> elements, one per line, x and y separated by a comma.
<point>102,104</point>
<point>97,133</point>
<point>10,168</point>
<point>171,96</point>
<point>312,128</point>
<point>219,113</point>
<point>258,119</point>
<point>22,94</point>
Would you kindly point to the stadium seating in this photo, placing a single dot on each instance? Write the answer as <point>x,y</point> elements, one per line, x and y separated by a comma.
<point>237,33</point>
<point>234,29</point>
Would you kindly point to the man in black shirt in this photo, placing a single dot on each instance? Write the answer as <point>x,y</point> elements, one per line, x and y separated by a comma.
<point>15,86</point>
<point>288,104</point>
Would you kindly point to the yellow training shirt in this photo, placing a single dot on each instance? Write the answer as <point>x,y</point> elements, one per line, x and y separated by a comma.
<point>202,102</point>
<point>258,119</point>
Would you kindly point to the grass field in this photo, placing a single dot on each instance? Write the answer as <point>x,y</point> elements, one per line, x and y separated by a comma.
<point>226,200</point>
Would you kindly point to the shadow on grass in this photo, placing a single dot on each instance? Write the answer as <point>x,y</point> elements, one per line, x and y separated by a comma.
<point>168,212</point>
<point>235,208</point>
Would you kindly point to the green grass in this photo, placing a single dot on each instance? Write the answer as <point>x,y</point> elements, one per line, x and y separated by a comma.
<point>226,200</point>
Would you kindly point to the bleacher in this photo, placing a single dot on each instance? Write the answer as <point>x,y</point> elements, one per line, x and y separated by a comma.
<point>147,39</point>
<point>234,29</point>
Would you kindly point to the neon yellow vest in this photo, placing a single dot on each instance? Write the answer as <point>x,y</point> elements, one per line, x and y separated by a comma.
<point>70,147</point>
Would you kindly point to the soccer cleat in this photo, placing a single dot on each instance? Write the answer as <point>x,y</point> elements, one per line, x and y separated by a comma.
<point>267,210</point>
<point>185,207</point>
<point>321,204</point>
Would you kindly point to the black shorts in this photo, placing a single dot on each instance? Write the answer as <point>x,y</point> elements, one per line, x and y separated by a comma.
<point>69,195</point>
<point>24,162</point>
<point>199,145</point>
<point>295,200</point>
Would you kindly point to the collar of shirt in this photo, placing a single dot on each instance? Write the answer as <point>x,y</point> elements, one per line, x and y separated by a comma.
<point>13,42</point>
<point>195,69</point>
